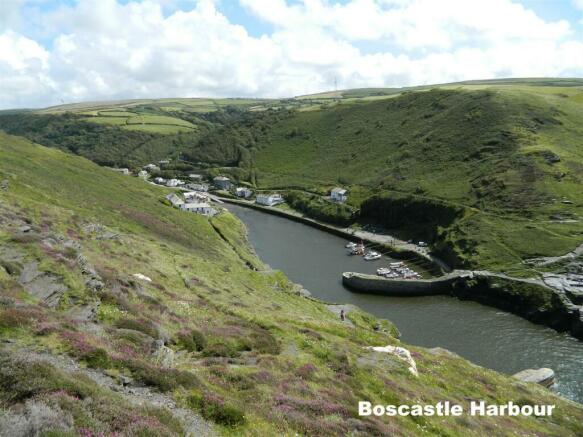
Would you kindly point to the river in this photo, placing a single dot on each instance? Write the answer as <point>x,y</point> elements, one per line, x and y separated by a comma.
<point>484,335</point>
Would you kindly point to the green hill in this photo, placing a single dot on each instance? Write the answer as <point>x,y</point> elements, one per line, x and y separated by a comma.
<point>121,315</point>
<point>506,158</point>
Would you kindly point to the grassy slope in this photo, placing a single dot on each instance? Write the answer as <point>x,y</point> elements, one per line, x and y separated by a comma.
<point>286,362</point>
<point>482,148</point>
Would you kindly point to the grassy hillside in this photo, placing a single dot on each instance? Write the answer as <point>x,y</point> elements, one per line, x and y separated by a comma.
<point>506,155</point>
<point>510,157</point>
<point>212,343</point>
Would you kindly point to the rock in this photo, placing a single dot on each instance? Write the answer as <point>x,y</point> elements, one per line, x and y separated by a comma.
<point>45,286</point>
<point>551,157</point>
<point>399,352</point>
<point>24,229</point>
<point>94,284</point>
<point>543,376</point>
<point>142,277</point>
<point>4,185</point>
<point>85,313</point>
<point>125,380</point>
<point>163,355</point>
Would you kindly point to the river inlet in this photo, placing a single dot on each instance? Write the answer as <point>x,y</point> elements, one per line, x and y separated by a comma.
<point>484,335</point>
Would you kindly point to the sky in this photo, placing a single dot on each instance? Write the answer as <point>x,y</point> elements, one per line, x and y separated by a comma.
<point>61,51</point>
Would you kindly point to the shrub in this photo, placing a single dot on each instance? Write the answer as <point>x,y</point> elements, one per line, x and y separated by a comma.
<point>193,340</point>
<point>163,379</point>
<point>214,408</point>
<point>142,325</point>
<point>97,358</point>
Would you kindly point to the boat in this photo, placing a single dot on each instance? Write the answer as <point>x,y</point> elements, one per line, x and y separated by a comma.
<point>383,271</point>
<point>357,250</point>
<point>350,245</point>
<point>372,256</point>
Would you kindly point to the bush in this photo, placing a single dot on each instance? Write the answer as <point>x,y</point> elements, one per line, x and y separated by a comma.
<point>193,340</point>
<point>98,359</point>
<point>164,379</point>
<point>320,209</point>
<point>214,408</point>
<point>142,325</point>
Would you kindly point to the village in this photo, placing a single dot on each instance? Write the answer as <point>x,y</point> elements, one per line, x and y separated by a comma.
<point>201,194</point>
<point>193,195</point>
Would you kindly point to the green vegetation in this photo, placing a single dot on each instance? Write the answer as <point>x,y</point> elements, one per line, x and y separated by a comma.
<point>505,155</point>
<point>319,208</point>
<point>209,331</point>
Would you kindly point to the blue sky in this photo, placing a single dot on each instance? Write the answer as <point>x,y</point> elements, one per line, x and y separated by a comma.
<point>72,50</point>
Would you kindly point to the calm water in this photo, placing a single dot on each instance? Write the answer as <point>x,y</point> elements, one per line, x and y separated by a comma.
<point>484,335</point>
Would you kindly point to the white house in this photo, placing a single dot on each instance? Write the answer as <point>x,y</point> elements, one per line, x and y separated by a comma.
<point>269,199</point>
<point>243,192</point>
<point>339,194</point>
<point>164,162</point>
<point>172,183</point>
<point>195,177</point>
<point>222,182</point>
<point>198,187</point>
<point>195,196</point>
<point>143,174</point>
<point>202,208</point>
<point>123,171</point>
<point>160,180</point>
<point>175,200</point>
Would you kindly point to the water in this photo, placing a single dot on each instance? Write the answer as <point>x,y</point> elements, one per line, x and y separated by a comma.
<point>484,335</point>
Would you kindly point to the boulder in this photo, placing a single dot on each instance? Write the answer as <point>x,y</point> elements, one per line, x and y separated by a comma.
<point>543,376</point>
<point>401,353</point>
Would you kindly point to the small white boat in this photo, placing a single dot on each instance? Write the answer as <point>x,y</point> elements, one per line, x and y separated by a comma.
<point>383,271</point>
<point>350,245</point>
<point>372,256</point>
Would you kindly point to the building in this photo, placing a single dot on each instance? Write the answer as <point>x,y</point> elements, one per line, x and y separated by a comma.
<point>175,200</point>
<point>173,182</point>
<point>269,199</point>
<point>201,208</point>
<point>222,182</point>
<point>339,194</point>
<point>195,196</point>
<point>160,181</point>
<point>198,187</point>
<point>195,177</point>
<point>143,174</point>
<point>164,162</point>
<point>123,171</point>
<point>243,192</point>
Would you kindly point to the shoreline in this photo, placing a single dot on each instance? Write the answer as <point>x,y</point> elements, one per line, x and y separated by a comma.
<point>530,299</point>
<point>492,289</point>
<point>407,252</point>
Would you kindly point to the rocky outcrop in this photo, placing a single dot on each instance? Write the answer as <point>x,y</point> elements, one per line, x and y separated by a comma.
<point>45,286</point>
<point>543,376</point>
<point>401,353</point>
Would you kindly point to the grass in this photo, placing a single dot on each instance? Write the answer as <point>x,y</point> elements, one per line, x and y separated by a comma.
<point>249,355</point>
<point>482,147</point>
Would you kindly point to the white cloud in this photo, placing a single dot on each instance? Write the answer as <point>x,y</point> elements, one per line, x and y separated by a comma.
<point>103,49</point>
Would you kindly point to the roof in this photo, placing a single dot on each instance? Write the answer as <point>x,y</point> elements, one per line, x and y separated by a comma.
<point>221,178</point>
<point>197,205</point>
<point>339,190</point>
